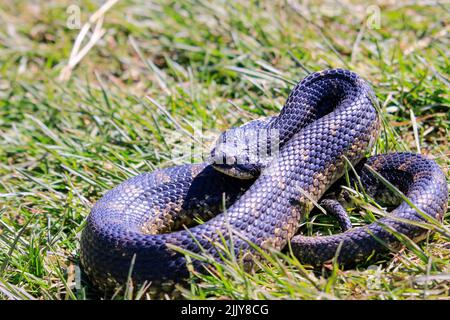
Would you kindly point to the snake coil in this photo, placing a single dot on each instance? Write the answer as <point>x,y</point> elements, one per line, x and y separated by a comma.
<point>329,118</point>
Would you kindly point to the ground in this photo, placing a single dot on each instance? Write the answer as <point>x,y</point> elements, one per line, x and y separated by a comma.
<point>164,75</point>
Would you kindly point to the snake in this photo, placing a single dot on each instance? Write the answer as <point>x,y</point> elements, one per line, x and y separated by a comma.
<point>143,228</point>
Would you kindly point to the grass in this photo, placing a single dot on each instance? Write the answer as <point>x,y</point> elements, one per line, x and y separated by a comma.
<point>161,70</point>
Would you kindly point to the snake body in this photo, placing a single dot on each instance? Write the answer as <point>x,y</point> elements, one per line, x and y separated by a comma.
<point>329,118</point>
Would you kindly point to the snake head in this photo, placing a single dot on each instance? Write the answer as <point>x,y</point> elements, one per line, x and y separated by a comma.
<point>241,152</point>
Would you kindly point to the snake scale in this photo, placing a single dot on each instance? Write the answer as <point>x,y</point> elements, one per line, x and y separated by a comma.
<point>328,119</point>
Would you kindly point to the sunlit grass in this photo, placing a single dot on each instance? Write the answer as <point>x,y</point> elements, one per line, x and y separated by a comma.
<point>161,69</point>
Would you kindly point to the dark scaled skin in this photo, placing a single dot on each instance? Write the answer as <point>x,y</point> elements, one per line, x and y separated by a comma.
<point>335,209</point>
<point>328,117</point>
<point>418,178</point>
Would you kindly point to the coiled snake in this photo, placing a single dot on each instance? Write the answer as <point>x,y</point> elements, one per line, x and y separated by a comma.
<point>329,118</point>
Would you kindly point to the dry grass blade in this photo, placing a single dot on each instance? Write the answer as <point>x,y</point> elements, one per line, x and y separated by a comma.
<point>78,52</point>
